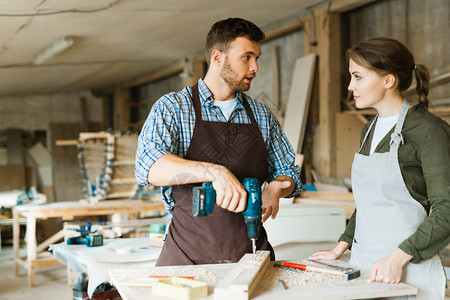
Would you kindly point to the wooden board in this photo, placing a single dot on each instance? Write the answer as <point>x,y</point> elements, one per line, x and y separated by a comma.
<point>15,147</point>
<point>347,142</point>
<point>242,279</point>
<point>298,103</point>
<point>12,178</point>
<point>65,167</point>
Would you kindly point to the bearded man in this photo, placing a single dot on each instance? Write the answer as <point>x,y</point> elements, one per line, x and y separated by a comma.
<point>214,132</point>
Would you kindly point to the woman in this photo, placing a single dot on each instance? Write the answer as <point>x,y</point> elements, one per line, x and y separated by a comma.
<point>401,170</point>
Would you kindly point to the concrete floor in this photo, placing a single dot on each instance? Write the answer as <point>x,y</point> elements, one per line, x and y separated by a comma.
<point>51,282</point>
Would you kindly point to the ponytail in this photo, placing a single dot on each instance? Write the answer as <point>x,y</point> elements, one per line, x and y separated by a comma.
<point>422,84</point>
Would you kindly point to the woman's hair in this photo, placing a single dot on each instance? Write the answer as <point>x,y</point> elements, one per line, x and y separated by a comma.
<point>222,33</point>
<point>387,56</point>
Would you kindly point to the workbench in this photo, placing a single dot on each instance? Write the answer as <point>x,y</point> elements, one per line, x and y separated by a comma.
<point>66,211</point>
<point>96,261</point>
<point>358,288</point>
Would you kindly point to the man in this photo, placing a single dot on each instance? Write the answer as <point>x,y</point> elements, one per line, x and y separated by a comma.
<point>212,132</point>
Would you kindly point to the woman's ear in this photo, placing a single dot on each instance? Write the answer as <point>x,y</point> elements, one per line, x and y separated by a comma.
<point>390,81</point>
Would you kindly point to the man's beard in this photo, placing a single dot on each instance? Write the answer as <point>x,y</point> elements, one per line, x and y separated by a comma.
<point>232,78</point>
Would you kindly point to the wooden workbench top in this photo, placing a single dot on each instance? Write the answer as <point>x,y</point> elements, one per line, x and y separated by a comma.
<point>358,288</point>
<point>67,210</point>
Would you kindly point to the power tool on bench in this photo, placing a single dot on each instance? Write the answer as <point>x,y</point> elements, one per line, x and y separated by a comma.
<point>86,236</point>
<point>204,199</point>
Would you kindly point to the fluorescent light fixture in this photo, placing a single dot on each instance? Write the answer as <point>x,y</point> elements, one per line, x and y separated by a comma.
<point>54,49</point>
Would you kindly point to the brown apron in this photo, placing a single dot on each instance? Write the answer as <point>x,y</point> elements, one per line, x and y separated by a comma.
<point>220,237</point>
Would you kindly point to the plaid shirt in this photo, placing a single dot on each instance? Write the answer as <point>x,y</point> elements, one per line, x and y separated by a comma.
<point>170,125</point>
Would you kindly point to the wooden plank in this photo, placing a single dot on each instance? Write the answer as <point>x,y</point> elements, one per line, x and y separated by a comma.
<point>84,110</point>
<point>45,263</point>
<point>51,240</point>
<point>65,209</point>
<point>15,147</point>
<point>65,166</point>
<point>342,6</point>
<point>298,102</point>
<point>329,86</point>
<point>66,142</point>
<point>286,28</point>
<point>347,142</point>
<point>243,278</point>
<point>12,178</point>
<point>276,76</point>
<point>162,73</point>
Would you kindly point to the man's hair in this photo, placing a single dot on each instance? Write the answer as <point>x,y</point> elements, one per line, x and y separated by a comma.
<point>224,32</point>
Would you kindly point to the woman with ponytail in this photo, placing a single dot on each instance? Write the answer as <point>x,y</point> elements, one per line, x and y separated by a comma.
<point>400,175</point>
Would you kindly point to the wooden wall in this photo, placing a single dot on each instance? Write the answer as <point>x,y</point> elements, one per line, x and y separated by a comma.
<point>332,134</point>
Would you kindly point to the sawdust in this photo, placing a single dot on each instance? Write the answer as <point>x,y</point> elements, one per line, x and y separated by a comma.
<point>199,273</point>
<point>293,278</point>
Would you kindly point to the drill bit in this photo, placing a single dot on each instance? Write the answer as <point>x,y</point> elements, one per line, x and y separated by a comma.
<point>254,248</point>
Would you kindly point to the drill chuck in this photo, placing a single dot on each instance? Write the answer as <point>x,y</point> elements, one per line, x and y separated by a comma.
<point>252,215</point>
<point>253,226</point>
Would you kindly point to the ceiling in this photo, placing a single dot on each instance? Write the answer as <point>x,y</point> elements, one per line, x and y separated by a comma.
<point>114,40</point>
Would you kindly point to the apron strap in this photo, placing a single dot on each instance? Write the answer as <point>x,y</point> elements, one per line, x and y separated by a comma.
<point>396,136</point>
<point>198,111</point>
<point>196,103</point>
<point>367,133</point>
<point>248,109</point>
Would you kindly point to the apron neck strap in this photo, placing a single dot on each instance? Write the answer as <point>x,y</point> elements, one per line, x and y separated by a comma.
<point>367,133</point>
<point>396,136</point>
<point>197,105</point>
<point>196,102</point>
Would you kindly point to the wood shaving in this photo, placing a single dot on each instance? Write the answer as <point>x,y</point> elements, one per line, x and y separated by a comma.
<point>200,274</point>
<point>292,278</point>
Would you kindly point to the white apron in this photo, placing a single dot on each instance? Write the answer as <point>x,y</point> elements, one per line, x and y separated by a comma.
<point>387,214</point>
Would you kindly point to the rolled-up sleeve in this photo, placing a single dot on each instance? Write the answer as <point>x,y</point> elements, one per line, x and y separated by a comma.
<point>281,156</point>
<point>157,138</point>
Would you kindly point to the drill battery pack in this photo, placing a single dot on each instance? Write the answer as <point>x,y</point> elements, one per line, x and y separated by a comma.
<point>90,240</point>
<point>203,199</point>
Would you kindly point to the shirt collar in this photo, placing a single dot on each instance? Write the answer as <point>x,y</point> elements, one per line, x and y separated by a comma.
<point>206,96</point>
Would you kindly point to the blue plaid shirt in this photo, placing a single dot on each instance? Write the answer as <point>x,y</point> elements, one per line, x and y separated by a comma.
<point>170,125</point>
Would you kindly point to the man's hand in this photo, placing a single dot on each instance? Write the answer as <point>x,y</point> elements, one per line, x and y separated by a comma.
<point>271,197</point>
<point>390,268</point>
<point>230,193</point>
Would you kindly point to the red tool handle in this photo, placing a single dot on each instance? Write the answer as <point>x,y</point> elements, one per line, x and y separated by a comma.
<point>295,266</point>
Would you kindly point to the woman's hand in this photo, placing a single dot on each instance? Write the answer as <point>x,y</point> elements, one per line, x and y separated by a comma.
<point>390,268</point>
<point>331,254</point>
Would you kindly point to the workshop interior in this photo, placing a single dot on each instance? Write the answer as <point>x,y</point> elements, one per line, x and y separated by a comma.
<point>78,80</point>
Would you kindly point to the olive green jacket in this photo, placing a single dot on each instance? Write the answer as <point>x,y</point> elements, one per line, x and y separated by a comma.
<point>424,161</point>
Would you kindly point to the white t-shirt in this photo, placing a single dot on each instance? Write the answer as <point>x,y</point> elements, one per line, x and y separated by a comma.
<point>382,127</point>
<point>226,107</point>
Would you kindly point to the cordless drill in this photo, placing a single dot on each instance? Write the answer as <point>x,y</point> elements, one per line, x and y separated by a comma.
<point>86,236</point>
<point>204,199</point>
